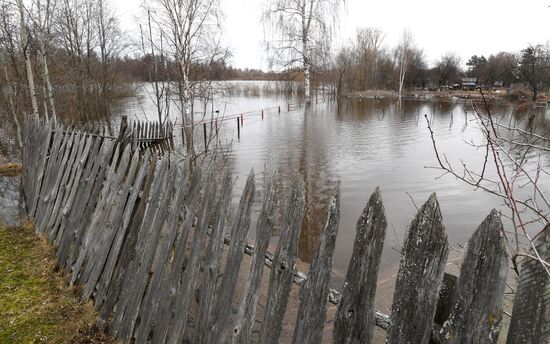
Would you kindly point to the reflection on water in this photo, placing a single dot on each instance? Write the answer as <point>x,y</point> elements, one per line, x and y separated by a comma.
<point>364,144</point>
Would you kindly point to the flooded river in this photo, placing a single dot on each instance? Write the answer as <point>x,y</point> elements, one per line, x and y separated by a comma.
<point>363,144</point>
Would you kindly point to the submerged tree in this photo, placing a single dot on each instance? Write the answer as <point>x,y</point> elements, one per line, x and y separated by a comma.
<point>300,33</point>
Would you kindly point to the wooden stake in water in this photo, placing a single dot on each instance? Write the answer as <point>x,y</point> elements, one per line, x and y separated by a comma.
<point>238,129</point>
<point>205,138</point>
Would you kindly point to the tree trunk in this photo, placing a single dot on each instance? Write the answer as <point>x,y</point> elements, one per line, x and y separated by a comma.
<point>28,65</point>
<point>11,103</point>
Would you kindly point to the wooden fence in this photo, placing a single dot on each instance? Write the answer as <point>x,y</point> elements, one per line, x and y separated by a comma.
<point>144,238</point>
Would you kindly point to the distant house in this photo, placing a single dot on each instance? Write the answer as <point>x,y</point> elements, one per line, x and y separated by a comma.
<point>469,83</point>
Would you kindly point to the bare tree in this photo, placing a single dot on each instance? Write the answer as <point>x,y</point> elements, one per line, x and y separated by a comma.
<point>447,69</point>
<point>301,32</point>
<point>403,54</point>
<point>42,20</point>
<point>534,68</point>
<point>512,169</point>
<point>192,30</point>
<point>26,52</point>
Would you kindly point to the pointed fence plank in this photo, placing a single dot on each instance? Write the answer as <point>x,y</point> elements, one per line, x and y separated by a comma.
<point>185,291</point>
<point>479,297</point>
<point>355,317</point>
<point>420,274</point>
<point>280,278</point>
<point>188,192</point>
<point>210,276</point>
<point>314,293</point>
<point>530,322</point>
<point>264,228</point>
<point>239,231</point>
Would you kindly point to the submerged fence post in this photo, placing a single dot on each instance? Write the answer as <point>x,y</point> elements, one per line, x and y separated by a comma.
<point>242,119</point>
<point>205,138</point>
<point>262,114</point>
<point>238,129</point>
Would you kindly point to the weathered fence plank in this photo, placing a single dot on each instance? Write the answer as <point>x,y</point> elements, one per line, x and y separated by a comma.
<point>280,278</point>
<point>264,228</point>
<point>355,317</point>
<point>479,297</point>
<point>187,193</point>
<point>420,274</point>
<point>185,291</point>
<point>239,231</point>
<point>213,256</point>
<point>314,293</point>
<point>530,322</point>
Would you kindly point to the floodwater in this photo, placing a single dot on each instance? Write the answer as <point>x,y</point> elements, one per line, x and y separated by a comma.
<point>363,144</point>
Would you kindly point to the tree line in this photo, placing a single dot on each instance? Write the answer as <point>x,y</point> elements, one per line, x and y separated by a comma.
<point>71,57</point>
<point>366,63</point>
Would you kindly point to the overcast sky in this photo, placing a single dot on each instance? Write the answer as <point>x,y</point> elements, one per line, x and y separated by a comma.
<point>467,27</point>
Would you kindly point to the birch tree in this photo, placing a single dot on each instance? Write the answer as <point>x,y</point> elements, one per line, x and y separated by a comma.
<point>300,32</point>
<point>27,55</point>
<point>403,55</point>
<point>192,30</point>
<point>42,26</point>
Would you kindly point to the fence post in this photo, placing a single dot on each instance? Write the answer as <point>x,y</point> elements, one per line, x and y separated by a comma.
<point>355,318</point>
<point>262,114</point>
<point>280,278</point>
<point>314,293</point>
<point>531,310</point>
<point>242,119</point>
<point>238,129</point>
<point>420,274</point>
<point>279,108</point>
<point>479,294</point>
<point>205,138</point>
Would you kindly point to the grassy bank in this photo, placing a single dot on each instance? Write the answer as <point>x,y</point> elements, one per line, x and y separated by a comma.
<point>36,305</point>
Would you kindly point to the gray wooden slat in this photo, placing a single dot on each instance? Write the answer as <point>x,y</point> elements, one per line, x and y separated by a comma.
<point>213,256</point>
<point>422,265</point>
<point>314,293</point>
<point>129,207</point>
<point>73,190</point>
<point>58,173</point>
<point>239,231</point>
<point>42,199</point>
<point>116,285</point>
<point>115,227</point>
<point>89,241</point>
<point>126,308</point>
<point>264,228</point>
<point>280,278</point>
<point>73,218</point>
<point>173,278</point>
<point>146,255</point>
<point>84,215</point>
<point>71,174</point>
<point>150,303</point>
<point>185,291</point>
<point>479,297</point>
<point>530,323</point>
<point>355,317</point>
